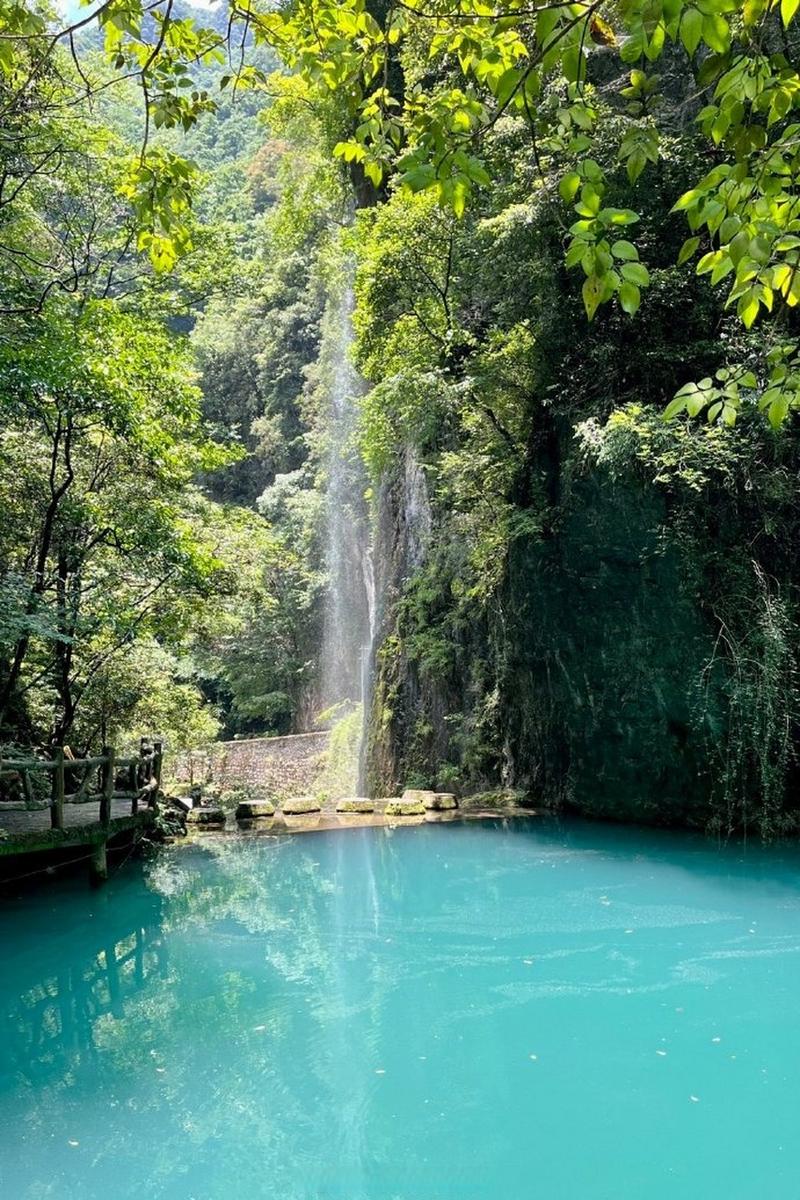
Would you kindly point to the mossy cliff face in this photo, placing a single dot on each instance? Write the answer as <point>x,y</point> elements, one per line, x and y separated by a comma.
<point>584,601</point>
<point>594,677</point>
<point>605,651</point>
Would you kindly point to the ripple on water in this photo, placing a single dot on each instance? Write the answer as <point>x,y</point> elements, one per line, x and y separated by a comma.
<point>446,1013</point>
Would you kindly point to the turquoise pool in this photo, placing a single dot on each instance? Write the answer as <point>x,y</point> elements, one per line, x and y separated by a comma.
<point>480,1010</point>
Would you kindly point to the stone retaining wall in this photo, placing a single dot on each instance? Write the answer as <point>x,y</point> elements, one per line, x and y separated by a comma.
<point>284,766</point>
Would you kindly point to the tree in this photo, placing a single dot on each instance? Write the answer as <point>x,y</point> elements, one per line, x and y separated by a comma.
<point>421,82</point>
<point>100,441</point>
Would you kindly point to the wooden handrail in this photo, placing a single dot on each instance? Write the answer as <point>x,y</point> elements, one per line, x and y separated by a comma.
<point>142,773</point>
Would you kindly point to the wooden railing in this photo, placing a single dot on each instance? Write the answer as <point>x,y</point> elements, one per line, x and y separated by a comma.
<point>100,780</point>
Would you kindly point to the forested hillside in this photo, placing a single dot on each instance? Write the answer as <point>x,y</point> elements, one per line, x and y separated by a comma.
<point>572,237</point>
<point>149,558</point>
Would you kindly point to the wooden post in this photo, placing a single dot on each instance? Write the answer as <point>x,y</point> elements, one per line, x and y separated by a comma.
<point>57,794</point>
<point>107,784</point>
<point>98,868</point>
<point>27,787</point>
<point>145,760</point>
<point>158,756</point>
<point>133,784</point>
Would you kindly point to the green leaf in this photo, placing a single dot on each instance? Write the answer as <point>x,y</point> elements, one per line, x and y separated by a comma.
<point>778,409</point>
<point>688,199</point>
<point>629,297</point>
<point>618,216</point>
<point>575,253</point>
<point>788,10</point>
<point>419,177</point>
<point>592,293</point>
<point>687,250</point>
<point>716,32</point>
<point>636,163</point>
<point>508,81</point>
<point>747,308</point>
<point>569,186</point>
<point>624,250</point>
<point>635,272</point>
<point>708,262</point>
<point>674,407</point>
<point>692,29</point>
<point>589,203</point>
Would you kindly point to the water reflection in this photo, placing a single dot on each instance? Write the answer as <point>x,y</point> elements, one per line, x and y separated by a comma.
<point>163,1009</point>
<point>381,1013</point>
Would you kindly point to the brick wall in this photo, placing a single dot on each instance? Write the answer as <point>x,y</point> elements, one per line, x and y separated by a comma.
<point>285,766</point>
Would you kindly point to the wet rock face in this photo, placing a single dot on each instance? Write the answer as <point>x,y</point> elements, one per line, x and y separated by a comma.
<point>590,689</point>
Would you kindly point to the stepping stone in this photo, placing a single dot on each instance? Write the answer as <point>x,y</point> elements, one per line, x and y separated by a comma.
<point>300,805</point>
<point>356,804</point>
<point>419,796</point>
<point>404,808</point>
<point>248,810</point>
<point>441,802</point>
<point>208,818</point>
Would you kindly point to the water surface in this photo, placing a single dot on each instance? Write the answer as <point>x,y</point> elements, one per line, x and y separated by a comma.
<point>448,1011</point>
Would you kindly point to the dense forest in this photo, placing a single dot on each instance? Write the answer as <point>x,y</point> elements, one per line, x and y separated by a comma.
<point>502,297</point>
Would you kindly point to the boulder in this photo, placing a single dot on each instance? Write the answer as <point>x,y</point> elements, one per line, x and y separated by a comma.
<point>404,808</point>
<point>419,796</point>
<point>356,804</point>
<point>209,817</point>
<point>300,805</point>
<point>441,802</point>
<point>247,810</point>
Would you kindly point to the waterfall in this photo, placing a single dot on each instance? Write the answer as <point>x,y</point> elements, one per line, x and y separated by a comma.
<point>361,577</point>
<point>349,620</point>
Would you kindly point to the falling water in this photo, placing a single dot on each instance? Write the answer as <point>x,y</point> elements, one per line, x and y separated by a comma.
<point>360,575</point>
<point>350,608</point>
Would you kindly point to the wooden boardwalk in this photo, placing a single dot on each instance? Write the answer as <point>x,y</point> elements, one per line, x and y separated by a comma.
<point>92,801</point>
<point>76,816</point>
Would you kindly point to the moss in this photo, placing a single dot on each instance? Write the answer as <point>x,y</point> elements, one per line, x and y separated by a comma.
<point>356,805</point>
<point>211,816</point>
<point>422,796</point>
<point>404,808</point>
<point>500,798</point>
<point>300,805</point>
<point>252,809</point>
<point>443,802</point>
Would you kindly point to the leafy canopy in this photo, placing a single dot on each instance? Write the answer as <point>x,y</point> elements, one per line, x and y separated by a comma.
<point>419,82</point>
